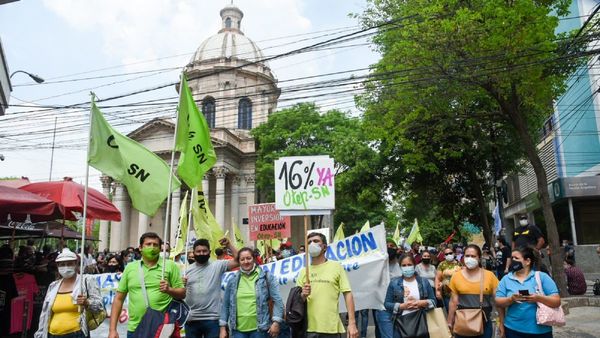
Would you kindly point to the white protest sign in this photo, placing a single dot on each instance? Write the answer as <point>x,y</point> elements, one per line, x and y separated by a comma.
<point>304,185</point>
<point>363,256</point>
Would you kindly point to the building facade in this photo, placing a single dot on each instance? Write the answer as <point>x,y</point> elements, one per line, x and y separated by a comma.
<point>236,91</point>
<point>570,151</point>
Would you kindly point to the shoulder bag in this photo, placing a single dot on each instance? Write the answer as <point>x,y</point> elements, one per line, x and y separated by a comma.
<point>471,322</point>
<point>94,319</point>
<point>546,315</point>
<point>412,325</point>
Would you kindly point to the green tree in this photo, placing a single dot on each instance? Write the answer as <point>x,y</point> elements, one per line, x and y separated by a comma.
<point>506,52</point>
<point>302,130</point>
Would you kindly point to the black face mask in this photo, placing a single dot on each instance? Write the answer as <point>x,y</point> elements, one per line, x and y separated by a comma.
<point>112,268</point>
<point>191,260</point>
<point>426,260</point>
<point>391,253</point>
<point>201,259</point>
<point>515,266</point>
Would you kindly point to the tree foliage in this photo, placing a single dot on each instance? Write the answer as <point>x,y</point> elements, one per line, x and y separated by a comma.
<point>455,67</point>
<point>302,130</point>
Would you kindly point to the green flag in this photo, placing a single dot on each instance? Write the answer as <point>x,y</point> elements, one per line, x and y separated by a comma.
<point>339,233</point>
<point>145,175</point>
<point>197,154</point>
<point>415,234</point>
<point>182,230</point>
<point>205,224</point>
<point>237,235</point>
<point>396,235</point>
<point>365,227</point>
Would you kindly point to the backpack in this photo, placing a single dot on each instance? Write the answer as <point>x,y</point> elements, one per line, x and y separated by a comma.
<point>295,312</point>
<point>597,287</point>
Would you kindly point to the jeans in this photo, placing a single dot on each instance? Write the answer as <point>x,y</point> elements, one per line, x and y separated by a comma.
<point>364,321</point>
<point>284,330</point>
<point>322,335</point>
<point>78,334</point>
<point>487,331</point>
<point>202,329</point>
<point>515,334</point>
<point>251,334</point>
<point>385,328</point>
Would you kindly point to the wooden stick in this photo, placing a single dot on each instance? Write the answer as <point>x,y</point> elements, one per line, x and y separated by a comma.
<point>306,248</point>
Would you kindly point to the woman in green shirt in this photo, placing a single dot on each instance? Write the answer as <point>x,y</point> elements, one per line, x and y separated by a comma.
<point>246,306</point>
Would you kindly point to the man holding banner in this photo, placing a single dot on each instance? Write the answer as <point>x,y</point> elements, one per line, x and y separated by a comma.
<point>203,283</point>
<point>327,279</point>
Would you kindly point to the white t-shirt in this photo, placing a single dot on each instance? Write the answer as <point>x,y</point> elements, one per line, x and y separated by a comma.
<point>411,292</point>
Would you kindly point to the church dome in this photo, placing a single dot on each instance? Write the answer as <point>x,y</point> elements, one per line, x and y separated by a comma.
<point>230,42</point>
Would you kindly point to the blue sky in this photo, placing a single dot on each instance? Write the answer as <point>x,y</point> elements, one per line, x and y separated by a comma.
<point>72,39</point>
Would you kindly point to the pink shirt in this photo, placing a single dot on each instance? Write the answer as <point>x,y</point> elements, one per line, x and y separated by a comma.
<point>27,286</point>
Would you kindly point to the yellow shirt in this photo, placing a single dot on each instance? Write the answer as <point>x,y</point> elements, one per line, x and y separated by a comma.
<point>327,281</point>
<point>65,315</point>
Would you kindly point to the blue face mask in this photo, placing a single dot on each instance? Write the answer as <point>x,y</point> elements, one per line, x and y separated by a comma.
<point>408,271</point>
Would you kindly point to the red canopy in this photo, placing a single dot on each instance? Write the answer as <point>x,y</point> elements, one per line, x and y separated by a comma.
<point>15,201</point>
<point>69,196</point>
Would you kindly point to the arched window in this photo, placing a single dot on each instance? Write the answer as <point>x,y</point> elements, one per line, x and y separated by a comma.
<point>245,114</point>
<point>208,109</point>
<point>228,23</point>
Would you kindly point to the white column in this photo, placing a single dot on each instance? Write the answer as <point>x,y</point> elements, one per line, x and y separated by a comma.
<point>220,174</point>
<point>206,185</point>
<point>143,221</point>
<point>235,202</point>
<point>103,234</point>
<point>250,199</point>
<point>175,208</point>
<point>572,217</point>
<point>119,230</point>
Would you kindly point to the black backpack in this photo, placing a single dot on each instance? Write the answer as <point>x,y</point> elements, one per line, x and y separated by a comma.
<point>597,287</point>
<point>295,313</point>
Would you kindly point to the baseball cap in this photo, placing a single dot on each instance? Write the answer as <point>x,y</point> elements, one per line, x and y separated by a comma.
<point>66,255</point>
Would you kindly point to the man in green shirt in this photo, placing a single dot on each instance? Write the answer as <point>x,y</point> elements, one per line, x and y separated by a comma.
<point>327,280</point>
<point>160,291</point>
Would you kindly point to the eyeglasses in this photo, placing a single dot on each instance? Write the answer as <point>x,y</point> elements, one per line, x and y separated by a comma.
<point>447,253</point>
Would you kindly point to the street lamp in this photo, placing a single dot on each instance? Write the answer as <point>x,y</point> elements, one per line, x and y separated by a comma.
<point>34,77</point>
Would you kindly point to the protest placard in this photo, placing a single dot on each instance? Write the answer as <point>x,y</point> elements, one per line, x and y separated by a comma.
<point>265,222</point>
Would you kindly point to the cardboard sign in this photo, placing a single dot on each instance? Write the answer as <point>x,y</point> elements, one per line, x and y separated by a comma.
<point>265,222</point>
<point>304,185</point>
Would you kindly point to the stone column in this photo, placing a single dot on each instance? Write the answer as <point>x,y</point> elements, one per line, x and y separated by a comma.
<point>235,201</point>
<point>220,174</point>
<point>206,186</point>
<point>143,221</point>
<point>119,231</point>
<point>103,234</point>
<point>175,208</point>
<point>250,199</point>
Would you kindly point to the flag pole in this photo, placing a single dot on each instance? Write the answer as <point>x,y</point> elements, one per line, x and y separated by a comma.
<point>168,211</point>
<point>187,236</point>
<point>85,195</point>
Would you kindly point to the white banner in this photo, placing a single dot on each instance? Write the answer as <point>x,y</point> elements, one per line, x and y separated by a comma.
<point>363,256</point>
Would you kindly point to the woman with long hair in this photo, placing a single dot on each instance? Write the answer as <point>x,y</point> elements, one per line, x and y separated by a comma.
<point>519,294</point>
<point>246,303</point>
<point>445,270</point>
<point>64,308</point>
<point>466,287</point>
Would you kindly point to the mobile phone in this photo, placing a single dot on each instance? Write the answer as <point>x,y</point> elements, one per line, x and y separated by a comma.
<point>524,292</point>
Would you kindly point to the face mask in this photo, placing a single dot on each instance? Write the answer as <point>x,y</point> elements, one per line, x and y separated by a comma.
<point>314,249</point>
<point>515,266</point>
<point>112,268</point>
<point>449,258</point>
<point>249,271</point>
<point>201,259</point>
<point>191,260</point>
<point>471,262</point>
<point>426,260</point>
<point>66,271</point>
<point>391,253</point>
<point>408,271</point>
<point>150,253</point>
<point>523,222</point>
<point>496,245</point>
<point>286,253</point>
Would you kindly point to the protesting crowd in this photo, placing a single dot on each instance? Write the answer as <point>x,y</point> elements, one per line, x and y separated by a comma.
<point>466,290</point>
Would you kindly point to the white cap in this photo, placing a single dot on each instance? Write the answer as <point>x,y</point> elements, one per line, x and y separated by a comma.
<point>66,255</point>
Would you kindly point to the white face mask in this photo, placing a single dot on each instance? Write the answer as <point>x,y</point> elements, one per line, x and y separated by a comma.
<point>471,262</point>
<point>314,249</point>
<point>523,222</point>
<point>66,271</point>
<point>449,258</point>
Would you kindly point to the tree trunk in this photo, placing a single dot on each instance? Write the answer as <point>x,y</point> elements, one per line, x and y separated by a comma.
<point>512,111</point>
<point>483,210</point>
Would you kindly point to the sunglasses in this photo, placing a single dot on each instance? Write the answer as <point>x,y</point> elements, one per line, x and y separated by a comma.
<point>448,253</point>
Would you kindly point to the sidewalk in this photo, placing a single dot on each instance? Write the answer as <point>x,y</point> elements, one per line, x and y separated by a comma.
<point>582,322</point>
